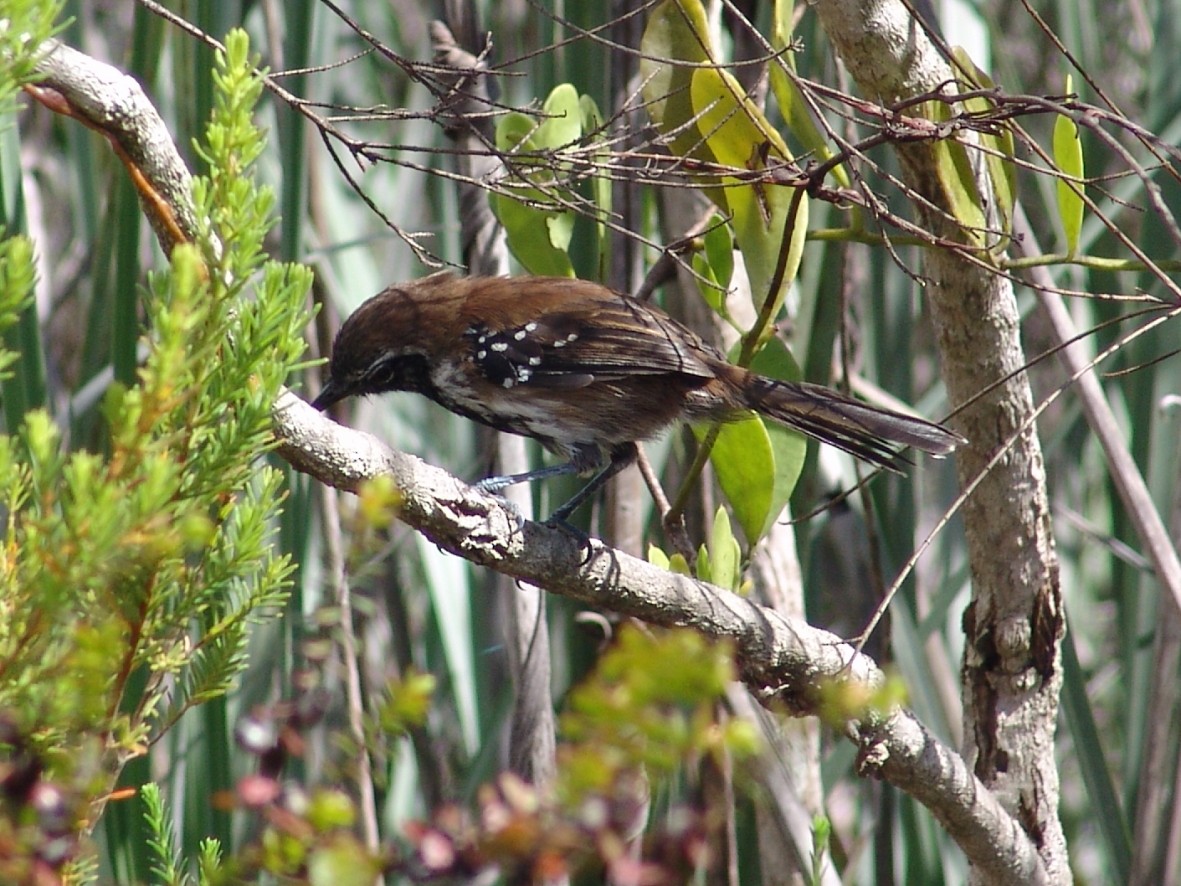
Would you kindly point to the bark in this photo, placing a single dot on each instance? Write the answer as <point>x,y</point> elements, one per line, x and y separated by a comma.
<point>113,103</point>
<point>1014,623</point>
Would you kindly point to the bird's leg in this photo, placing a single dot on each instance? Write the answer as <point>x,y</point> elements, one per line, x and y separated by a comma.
<point>621,456</point>
<point>496,483</point>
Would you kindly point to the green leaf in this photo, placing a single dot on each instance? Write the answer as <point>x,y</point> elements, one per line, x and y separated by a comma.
<point>539,255</point>
<point>562,124</point>
<point>957,179</point>
<point>592,118</point>
<point>787,94</point>
<point>744,463</point>
<point>789,447</point>
<point>676,563</point>
<point>517,132</point>
<point>331,809</point>
<point>740,136</point>
<point>17,278</point>
<point>649,702</point>
<point>342,862</point>
<point>726,556</point>
<point>734,127</point>
<point>161,843</point>
<point>719,249</point>
<point>716,264</point>
<point>538,200</point>
<point>1068,157</point>
<point>704,568</point>
<point>707,117</point>
<point>407,702</point>
<point>677,31</point>
<point>758,463</point>
<point>998,158</point>
<point>592,124</point>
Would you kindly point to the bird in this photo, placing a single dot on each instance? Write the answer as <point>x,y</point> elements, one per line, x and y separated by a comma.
<point>586,371</point>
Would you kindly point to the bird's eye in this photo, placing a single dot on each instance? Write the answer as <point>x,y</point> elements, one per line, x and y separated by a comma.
<point>382,374</point>
<point>396,372</point>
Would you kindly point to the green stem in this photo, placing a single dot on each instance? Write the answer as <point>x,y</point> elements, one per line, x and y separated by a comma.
<point>751,342</point>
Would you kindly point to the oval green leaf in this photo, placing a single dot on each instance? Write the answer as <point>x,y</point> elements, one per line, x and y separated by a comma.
<point>957,179</point>
<point>788,447</point>
<point>744,463</point>
<point>999,145</point>
<point>791,103</point>
<point>725,554</point>
<point>676,38</point>
<point>520,210</point>
<point>1068,157</point>
<point>562,124</point>
<point>740,136</point>
<point>715,263</point>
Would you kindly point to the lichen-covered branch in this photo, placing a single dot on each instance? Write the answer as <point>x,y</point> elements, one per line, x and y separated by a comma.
<point>785,661</point>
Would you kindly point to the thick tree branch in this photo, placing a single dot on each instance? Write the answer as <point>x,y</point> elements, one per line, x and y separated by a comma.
<point>784,660</point>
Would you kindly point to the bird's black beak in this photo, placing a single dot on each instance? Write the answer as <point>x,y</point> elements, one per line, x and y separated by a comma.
<point>329,394</point>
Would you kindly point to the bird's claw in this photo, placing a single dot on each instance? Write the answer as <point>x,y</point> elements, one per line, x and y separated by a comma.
<point>493,485</point>
<point>559,522</point>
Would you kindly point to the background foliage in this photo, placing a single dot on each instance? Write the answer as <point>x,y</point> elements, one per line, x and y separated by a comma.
<point>189,518</point>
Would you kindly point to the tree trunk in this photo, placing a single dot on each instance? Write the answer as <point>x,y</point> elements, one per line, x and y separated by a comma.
<point>1014,623</point>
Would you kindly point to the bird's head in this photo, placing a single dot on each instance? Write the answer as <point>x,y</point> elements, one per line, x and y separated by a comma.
<point>381,347</point>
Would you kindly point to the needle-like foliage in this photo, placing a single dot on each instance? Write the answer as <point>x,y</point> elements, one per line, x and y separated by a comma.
<point>129,574</point>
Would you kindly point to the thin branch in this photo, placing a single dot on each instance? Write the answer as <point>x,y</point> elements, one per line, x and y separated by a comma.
<point>113,103</point>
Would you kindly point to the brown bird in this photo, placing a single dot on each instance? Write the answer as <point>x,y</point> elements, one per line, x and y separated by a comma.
<point>585,371</point>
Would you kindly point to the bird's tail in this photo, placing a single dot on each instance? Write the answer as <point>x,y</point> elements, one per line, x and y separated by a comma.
<point>862,430</point>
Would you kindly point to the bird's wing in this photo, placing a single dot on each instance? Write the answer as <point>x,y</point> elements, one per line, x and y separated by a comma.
<point>586,334</point>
